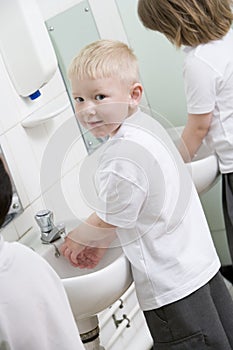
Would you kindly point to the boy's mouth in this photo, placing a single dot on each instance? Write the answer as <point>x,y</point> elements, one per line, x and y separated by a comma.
<point>94,124</point>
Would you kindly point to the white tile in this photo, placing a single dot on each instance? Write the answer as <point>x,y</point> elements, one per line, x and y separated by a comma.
<point>24,222</point>
<point>8,105</point>
<point>14,170</point>
<point>27,167</point>
<point>30,238</point>
<point>72,196</point>
<point>65,4</point>
<point>109,26</point>
<point>49,8</point>
<point>42,136</point>
<point>58,121</point>
<point>9,233</point>
<point>59,143</point>
<point>53,7</point>
<point>65,202</point>
<point>1,127</point>
<point>37,139</point>
<point>54,200</point>
<point>28,106</point>
<point>74,155</point>
<point>37,205</point>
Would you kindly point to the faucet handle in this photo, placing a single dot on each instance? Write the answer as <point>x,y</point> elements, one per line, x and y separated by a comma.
<point>44,219</point>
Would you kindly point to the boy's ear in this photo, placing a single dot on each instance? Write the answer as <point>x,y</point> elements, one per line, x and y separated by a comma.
<point>136,93</point>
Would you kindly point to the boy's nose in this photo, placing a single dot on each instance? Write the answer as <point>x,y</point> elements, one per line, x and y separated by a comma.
<point>90,109</point>
<point>87,112</point>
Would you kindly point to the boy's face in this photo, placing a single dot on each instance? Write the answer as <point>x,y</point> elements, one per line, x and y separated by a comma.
<point>101,104</point>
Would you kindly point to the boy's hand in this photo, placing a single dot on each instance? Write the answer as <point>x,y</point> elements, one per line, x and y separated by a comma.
<point>71,250</point>
<point>81,256</point>
<point>85,246</point>
<point>90,257</point>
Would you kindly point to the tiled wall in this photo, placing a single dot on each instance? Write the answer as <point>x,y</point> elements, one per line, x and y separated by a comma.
<point>25,149</point>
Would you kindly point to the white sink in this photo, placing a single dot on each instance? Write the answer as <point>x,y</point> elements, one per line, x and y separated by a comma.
<point>93,290</point>
<point>89,290</point>
<point>204,166</point>
<point>204,169</point>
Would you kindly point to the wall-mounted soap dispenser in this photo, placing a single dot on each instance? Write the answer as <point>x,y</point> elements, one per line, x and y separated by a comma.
<point>25,46</point>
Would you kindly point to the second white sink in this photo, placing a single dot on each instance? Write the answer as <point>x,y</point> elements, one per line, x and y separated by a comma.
<point>204,166</point>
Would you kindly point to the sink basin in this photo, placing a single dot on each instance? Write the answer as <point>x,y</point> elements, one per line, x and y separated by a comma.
<point>204,166</point>
<point>89,290</point>
<point>204,169</point>
<point>93,290</point>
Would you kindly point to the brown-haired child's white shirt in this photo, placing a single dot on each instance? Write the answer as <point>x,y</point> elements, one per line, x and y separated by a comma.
<point>208,81</point>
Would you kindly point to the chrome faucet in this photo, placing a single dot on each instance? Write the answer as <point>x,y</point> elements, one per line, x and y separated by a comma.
<point>49,232</point>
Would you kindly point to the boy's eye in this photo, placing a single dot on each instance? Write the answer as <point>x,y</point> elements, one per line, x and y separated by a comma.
<point>79,99</point>
<point>100,97</point>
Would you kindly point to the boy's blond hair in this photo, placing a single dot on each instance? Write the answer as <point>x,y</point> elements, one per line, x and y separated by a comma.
<point>187,22</point>
<point>105,59</point>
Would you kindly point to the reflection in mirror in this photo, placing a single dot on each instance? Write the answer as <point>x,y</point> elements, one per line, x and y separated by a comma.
<point>68,33</point>
<point>16,206</point>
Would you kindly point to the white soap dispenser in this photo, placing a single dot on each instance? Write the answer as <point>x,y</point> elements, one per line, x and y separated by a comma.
<point>25,46</point>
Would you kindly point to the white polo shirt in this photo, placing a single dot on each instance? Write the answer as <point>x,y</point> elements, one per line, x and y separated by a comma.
<point>208,81</point>
<point>146,191</point>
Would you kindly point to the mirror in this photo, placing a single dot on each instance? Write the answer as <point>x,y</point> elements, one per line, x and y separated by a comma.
<point>68,33</point>
<point>16,206</point>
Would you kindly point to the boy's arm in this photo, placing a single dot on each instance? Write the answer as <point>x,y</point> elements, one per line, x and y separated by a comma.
<point>85,245</point>
<point>194,132</point>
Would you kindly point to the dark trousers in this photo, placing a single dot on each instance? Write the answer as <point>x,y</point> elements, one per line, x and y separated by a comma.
<point>202,320</point>
<point>227,203</point>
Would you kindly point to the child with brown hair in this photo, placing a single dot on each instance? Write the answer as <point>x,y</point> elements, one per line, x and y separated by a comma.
<point>203,29</point>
